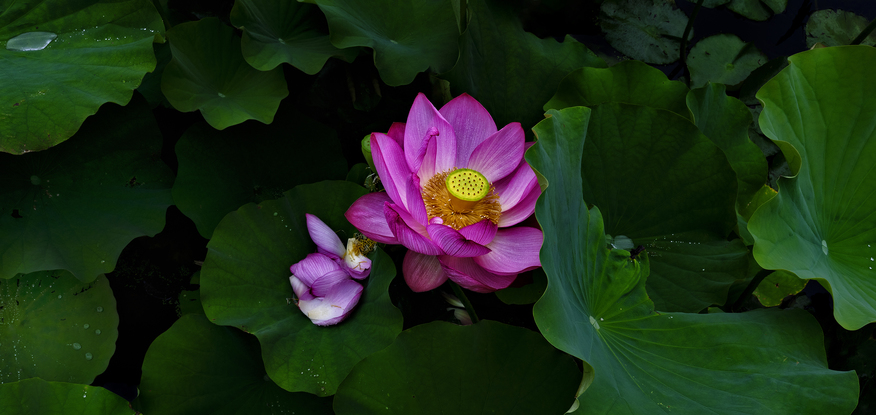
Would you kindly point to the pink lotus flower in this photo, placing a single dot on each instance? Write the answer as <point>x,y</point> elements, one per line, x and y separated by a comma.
<point>322,282</point>
<point>352,259</point>
<point>324,291</point>
<point>454,187</point>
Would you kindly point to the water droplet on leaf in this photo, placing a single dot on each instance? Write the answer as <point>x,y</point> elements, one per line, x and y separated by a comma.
<point>30,41</point>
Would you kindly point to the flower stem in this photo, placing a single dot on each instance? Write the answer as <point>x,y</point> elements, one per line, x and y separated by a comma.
<point>684,36</point>
<point>864,33</point>
<point>461,295</point>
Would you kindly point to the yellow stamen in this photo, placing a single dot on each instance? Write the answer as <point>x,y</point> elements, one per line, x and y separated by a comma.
<point>461,197</point>
<point>362,245</point>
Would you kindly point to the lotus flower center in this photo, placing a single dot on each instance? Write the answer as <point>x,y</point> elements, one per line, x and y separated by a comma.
<point>460,197</point>
<point>466,187</point>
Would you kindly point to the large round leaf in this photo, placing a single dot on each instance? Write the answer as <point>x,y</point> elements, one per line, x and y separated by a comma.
<point>758,9</point>
<point>40,397</point>
<point>629,82</point>
<point>75,206</point>
<point>284,31</point>
<point>208,73</point>
<point>512,72</point>
<point>63,60</point>
<point>487,368</point>
<point>644,362</point>
<point>646,30</point>
<point>220,171</point>
<point>651,170</point>
<point>663,184</point>
<point>725,120</point>
<point>408,37</point>
<point>54,327</point>
<point>245,283</point>
<point>836,28</point>
<point>724,59</point>
<point>197,367</point>
<point>822,223</point>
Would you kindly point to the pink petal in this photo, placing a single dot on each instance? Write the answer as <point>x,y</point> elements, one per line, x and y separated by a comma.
<point>481,232</point>
<point>322,285</point>
<point>453,243</point>
<point>515,250</point>
<point>313,266</point>
<point>389,160</point>
<point>324,237</point>
<point>516,185</point>
<point>428,155</point>
<point>335,307</point>
<point>422,272</point>
<point>422,117</point>
<point>471,276</point>
<point>345,294</point>
<point>301,290</point>
<point>414,203</point>
<point>522,210</point>
<point>471,122</point>
<point>366,214</point>
<point>410,233</point>
<point>397,133</point>
<point>499,154</point>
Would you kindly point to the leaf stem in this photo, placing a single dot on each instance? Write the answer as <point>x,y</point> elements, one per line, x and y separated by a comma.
<point>461,295</point>
<point>462,22</point>
<point>687,29</point>
<point>864,33</point>
<point>758,278</point>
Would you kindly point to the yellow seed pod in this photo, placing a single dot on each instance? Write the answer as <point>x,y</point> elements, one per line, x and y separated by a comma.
<point>467,185</point>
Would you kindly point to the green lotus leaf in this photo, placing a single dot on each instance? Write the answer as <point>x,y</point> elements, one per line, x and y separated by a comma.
<point>759,10</point>
<point>645,30</point>
<point>64,59</point>
<point>408,37</point>
<point>645,362</point>
<point>836,28</point>
<point>693,268</point>
<point>512,72</point>
<point>725,120</point>
<point>197,367</point>
<point>221,170</point>
<point>190,300</point>
<point>75,206</point>
<point>54,327</point>
<point>526,294</point>
<point>208,73</point>
<point>664,185</point>
<point>285,31</point>
<point>629,82</point>
<point>245,283</point>
<point>711,3</point>
<point>821,225</point>
<point>776,286</point>
<point>488,368</point>
<point>724,59</point>
<point>150,88</point>
<point>40,397</point>
<point>755,81</point>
